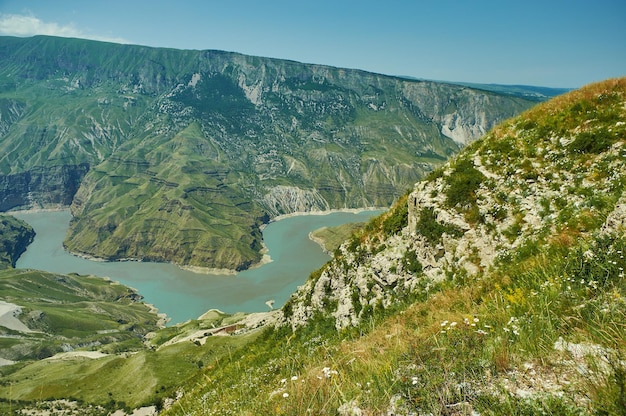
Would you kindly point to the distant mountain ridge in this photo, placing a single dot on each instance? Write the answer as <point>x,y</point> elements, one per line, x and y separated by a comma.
<point>178,155</point>
<point>531,92</point>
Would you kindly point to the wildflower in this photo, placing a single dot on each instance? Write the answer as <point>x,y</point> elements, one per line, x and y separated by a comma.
<point>452,324</point>
<point>444,323</point>
<point>294,378</point>
<point>285,395</point>
<point>327,372</point>
<point>481,332</point>
<point>283,381</point>
<point>414,380</point>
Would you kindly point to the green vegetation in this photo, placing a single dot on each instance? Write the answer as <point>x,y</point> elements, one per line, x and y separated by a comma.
<point>397,218</point>
<point>69,311</point>
<point>188,153</point>
<point>330,238</point>
<point>93,343</point>
<point>429,227</point>
<point>463,183</point>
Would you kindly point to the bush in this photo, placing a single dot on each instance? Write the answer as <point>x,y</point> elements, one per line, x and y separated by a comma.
<point>432,230</point>
<point>411,262</point>
<point>592,141</point>
<point>397,220</point>
<point>463,183</point>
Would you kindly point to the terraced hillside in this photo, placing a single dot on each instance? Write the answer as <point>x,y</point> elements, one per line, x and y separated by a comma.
<point>180,156</point>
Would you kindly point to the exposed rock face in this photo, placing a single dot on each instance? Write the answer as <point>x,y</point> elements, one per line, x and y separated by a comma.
<point>288,199</point>
<point>554,173</point>
<point>15,236</point>
<point>41,187</point>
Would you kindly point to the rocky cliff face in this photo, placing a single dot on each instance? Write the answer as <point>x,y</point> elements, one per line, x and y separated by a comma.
<point>556,172</point>
<point>41,187</point>
<point>15,236</point>
<point>206,145</point>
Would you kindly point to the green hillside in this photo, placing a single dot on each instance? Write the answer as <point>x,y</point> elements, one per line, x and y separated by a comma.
<point>181,156</point>
<point>496,287</point>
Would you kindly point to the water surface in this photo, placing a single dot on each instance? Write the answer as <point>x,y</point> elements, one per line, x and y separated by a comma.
<point>182,294</point>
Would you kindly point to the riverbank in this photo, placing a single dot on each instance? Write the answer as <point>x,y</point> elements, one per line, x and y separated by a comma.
<point>266,257</point>
<point>182,294</point>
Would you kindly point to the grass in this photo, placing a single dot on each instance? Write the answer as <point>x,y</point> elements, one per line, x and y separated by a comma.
<point>465,347</point>
<point>330,238</point>
<point>121,380</point>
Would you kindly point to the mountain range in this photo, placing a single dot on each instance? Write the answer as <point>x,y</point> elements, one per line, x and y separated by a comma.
<point>181,156</point>
<point>496,286</point>
<point>493,285</point>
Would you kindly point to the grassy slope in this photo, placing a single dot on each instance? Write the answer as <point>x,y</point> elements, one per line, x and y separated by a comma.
<point>542,331</point>
<point>142,364</point>
<point>72,310</point>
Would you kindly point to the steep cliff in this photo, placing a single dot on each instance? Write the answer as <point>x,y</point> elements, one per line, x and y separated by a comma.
<point>41,187</point>
<point>191,151</point>
<point>15,236</point>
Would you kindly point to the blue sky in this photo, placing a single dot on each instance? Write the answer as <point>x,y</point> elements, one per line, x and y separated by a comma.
<point>560,43</point>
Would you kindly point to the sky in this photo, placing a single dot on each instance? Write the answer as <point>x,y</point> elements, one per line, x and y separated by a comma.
<point>551,43</point>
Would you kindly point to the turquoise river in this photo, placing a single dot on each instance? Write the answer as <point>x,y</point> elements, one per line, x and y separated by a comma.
<point>182,294</point>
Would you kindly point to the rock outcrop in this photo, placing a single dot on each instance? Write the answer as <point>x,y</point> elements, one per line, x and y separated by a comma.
<point>15,236</point>
<point>41,187</point>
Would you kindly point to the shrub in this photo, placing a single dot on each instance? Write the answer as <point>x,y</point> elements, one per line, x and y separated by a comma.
<point>432,230</point>
<point>397,220</point>
<point>411,262</point>
<point>463,183</point>
<point>592,141</point>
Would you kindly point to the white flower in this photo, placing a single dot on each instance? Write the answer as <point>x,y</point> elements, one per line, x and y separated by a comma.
<point>285,395</point>
<point>294,378</point>
<point>328,372</point>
